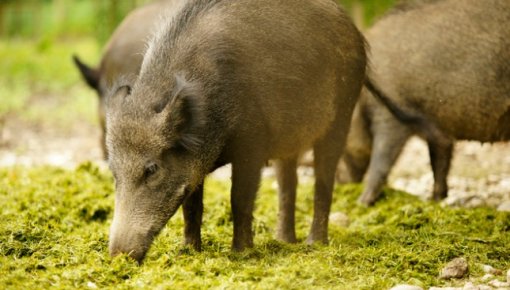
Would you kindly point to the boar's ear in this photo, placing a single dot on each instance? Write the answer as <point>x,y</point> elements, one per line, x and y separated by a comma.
<point>90,75</point>
<point>115,97</point>
<point>183,114</point>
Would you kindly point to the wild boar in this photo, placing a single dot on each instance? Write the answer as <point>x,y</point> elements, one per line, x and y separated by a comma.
<point>446,60</point>
<point>123,53</point>
<point>232,82</point>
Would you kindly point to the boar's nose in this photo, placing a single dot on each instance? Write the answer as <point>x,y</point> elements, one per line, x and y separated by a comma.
<point>118,247</point>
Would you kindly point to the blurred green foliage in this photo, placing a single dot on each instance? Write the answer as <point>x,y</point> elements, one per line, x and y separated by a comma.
<point>51,19</point>
<point>369,9</point>
<point>38,77</point>
<point>38,38</point>
<point>63,18</point>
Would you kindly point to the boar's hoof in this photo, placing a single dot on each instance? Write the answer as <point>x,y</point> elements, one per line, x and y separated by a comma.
<point>187,250</point>
<point>238,246</point>
<point>439,195</point>
<point>314,240</point>
<point>367,198</point>
<point>287,239</point>
<point>195,244</point>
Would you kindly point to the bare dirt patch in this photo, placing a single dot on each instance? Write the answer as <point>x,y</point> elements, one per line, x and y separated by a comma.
<point>479,176</point>
<point>28,144</point>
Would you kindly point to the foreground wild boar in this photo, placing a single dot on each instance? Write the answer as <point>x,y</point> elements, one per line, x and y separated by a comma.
<point>124,52</point>
<point>237,82</point>
<point>446,60</point>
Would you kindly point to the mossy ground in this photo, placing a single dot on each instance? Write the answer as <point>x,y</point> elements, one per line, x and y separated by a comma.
<point>54,234</point>
<point>54,222</point>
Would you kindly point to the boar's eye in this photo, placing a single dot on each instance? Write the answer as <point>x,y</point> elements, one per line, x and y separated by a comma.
<point>177,148</point>
<point>150,169</point>
<point>126,89</point>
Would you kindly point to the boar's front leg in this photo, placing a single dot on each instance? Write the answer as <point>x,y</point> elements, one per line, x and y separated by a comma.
<point>193,209</point>
<point>440,160</point>
<point>286,176</point>
<point>245,183</point>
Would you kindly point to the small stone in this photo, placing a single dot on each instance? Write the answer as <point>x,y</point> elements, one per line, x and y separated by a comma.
<point>485,287</point>
<point>444,288</point>
<point>505,206</point>
<point>508,276</point>
<point>487,277</point>
<point>339,219</point>
<point>456,268</point>
<point>499,284</point>
<point>91,285</point>
<point>475,202</point>
<point>406,287</point>
<point>470,286</point>
<point>491,270</point>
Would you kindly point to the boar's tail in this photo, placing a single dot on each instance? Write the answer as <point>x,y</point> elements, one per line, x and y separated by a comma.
<point>403,116</point>
<point>421,123</point>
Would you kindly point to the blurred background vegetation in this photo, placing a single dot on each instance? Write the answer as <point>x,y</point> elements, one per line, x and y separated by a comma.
<point>50,19</point>
<point>38,38</point>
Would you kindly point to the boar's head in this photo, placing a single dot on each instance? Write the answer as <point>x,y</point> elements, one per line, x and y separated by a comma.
<point>154,142</point>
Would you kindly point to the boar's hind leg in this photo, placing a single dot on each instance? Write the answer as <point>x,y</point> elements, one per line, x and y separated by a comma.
<point>287,181</point>
<point>192,209</point>
<point>352,167</point>
<point>440,160</point>
<point>389,139</point>
<point>327,152</point>
<point>245,183</point>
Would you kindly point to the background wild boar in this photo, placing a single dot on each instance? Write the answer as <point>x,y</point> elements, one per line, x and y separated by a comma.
<point>448,61</point>
<point>237,82</point>
<point>123,53</point>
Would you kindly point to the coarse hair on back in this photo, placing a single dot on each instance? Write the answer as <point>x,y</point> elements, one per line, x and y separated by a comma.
<point>170,27</point>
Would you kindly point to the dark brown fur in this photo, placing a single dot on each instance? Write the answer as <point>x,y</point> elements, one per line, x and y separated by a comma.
<point>238,82</point>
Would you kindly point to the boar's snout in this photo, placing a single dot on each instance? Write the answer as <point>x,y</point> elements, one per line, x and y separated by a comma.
<point>133,242</point>
<point>118,248</point>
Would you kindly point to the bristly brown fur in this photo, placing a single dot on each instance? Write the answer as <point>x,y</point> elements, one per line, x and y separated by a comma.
<point>447,62</point>
<point>240,82</point>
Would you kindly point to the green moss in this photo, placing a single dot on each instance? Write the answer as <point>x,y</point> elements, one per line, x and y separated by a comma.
<point>54,233</point>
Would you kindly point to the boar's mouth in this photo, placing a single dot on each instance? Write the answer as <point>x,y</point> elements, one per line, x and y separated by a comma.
<point>137,242</point>
<point>135,245</point>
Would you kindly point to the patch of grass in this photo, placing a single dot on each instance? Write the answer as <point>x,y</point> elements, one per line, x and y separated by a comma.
<point>54,233</point>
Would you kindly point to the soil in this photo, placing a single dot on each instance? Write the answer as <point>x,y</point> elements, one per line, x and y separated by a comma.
<point>27,144</point>
<point>479,174</point>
